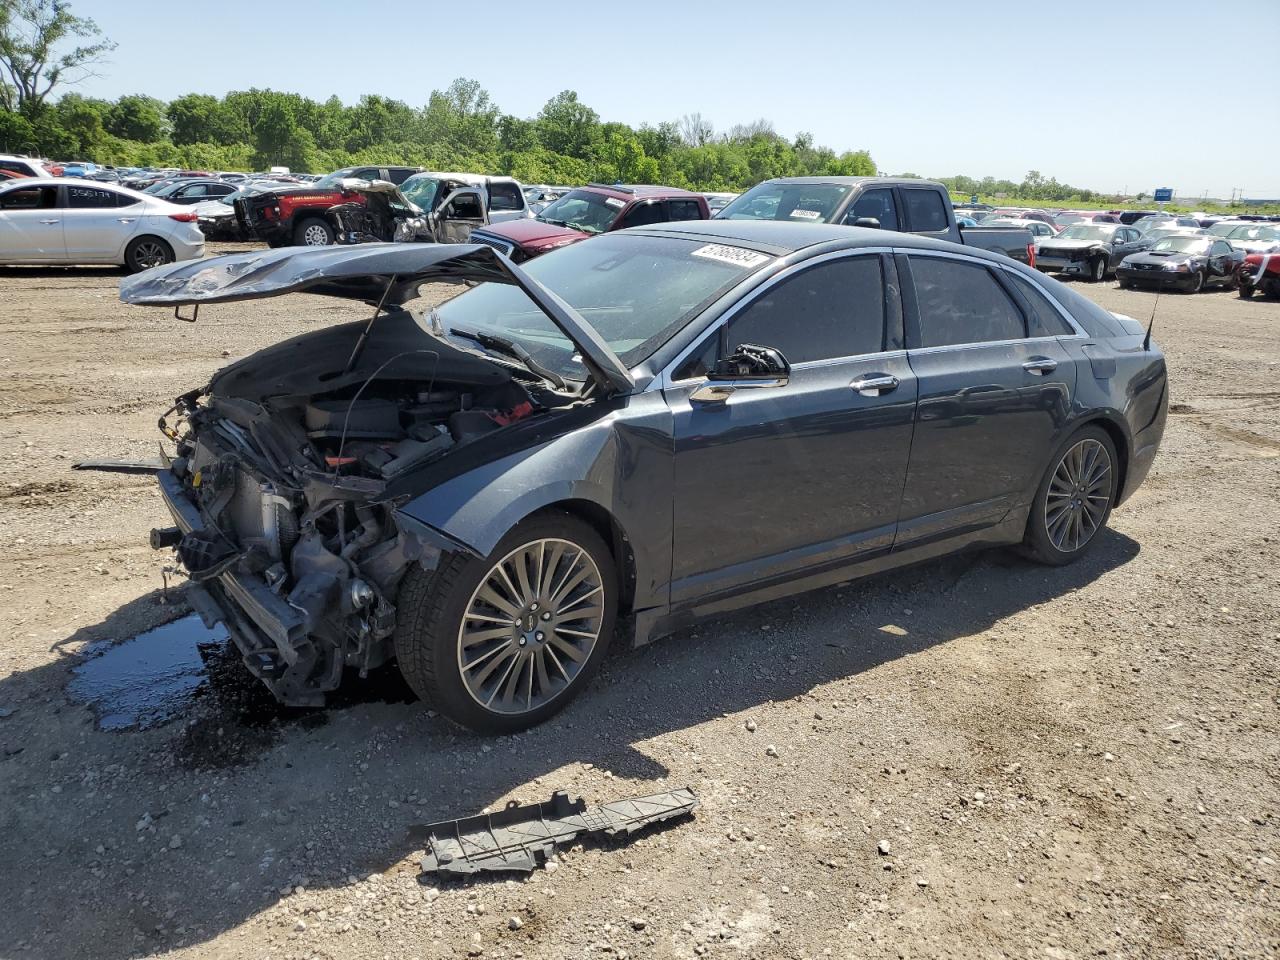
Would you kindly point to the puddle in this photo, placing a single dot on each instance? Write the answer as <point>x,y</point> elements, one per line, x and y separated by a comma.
<point>185,671</point>
<point>148,680</point>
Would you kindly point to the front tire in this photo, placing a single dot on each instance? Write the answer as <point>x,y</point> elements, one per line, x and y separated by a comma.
<point>1074,499</point>
<point>1125,284</point>
<point>1198,284</point>
<point>312,232</point>
<point>502,643</point>
<point>1098,270</point>
<point>143,253</point>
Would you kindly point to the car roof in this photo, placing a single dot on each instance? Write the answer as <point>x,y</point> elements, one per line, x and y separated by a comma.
<point>632,191</point>
<point>852,181</point>
<point>780,237</point>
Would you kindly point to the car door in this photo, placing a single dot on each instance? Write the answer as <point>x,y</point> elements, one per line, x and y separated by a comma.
<point>776,481</point>
<point>460,213</point>
<point>642,213</point>
<point>1222,261</point>
<point>1126,241</point>
<point>94,228</point>
<point>31,226</point>
<point>992,401</point>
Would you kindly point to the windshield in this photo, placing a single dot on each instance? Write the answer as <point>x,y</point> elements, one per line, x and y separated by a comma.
<point>636,291</point>
<point>1181,245</point>
<point>1253,233</point>
<point>1066,219</point>
<point>420,190</point>
<point>805,202</point>
<point>1223,228</point>
<point>330,180</point>
<point>583,210</point>
<point>1087,231</point>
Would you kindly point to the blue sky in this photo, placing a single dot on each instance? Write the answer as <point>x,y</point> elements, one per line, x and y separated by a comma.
<point>1102,95</point>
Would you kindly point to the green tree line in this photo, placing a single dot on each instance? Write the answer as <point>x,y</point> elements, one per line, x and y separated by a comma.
<point>459,128</point>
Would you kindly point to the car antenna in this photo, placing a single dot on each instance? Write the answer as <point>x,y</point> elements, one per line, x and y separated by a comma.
<point>1146,341</point>
<point>364,334</point>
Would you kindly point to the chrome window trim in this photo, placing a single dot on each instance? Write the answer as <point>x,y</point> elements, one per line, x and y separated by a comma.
<point>1062,311</point>
<point>666,378</point>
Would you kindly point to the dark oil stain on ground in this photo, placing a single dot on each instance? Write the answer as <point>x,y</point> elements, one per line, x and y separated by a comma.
<point>189,672</point>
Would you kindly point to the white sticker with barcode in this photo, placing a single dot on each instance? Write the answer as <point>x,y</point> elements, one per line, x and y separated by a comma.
<point>734,255</point>
<point>614,202</point>
<point>805,215</point>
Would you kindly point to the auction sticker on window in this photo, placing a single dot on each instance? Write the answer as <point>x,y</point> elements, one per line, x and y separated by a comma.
<point>614,202</point>
<point>805,215</point>
<point>735,255</point>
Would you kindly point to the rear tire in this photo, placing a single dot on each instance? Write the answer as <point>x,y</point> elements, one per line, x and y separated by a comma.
<point>143,253</point>
<point>1074,498</point>
<point>312,232</point>
<point>476,637</point>
<point>1244,291</point>
<point>1098,270</point>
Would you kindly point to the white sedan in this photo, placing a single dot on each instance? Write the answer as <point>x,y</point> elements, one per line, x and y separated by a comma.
<point>64,221</point>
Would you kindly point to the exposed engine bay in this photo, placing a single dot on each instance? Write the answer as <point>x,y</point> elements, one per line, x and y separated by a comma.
<point>292,488</point>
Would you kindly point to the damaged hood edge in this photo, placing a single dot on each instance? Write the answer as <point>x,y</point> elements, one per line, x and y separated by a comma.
<point>361,272</point>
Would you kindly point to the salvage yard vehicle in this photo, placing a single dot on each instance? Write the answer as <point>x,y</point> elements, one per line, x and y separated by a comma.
<point>384,214</point>
<point>298,215</point>
<point>1260,271</point>
<point>1186,263</point>
<point>902,204</point>
<point>1254,238</point>
<point>1090,250</point>
<point>587,211</point>
<point>60,221</point>
<point>189,190</point>
<point>660,425</point>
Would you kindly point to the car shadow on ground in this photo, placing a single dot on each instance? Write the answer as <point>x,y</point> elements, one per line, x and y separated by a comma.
<point>262,798</point>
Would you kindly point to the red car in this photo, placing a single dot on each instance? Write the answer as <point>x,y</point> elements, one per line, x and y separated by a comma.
<point>582,213</point>
<point>1260,271</point>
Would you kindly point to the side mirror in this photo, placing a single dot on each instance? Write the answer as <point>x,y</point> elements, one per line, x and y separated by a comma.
<point>870,222</point>
<point>747,368</point>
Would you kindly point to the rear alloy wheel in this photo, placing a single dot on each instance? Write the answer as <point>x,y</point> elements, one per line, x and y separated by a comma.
<point>144,253</point>
<point>1074,499</point>
<point>1099,270</point>
<point>312,233</point>
<point>502,643</point>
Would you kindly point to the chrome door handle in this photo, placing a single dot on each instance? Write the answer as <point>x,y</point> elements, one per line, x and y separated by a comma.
<point>50,221</point>
<point>875,384</point>
<point>1040,365</point>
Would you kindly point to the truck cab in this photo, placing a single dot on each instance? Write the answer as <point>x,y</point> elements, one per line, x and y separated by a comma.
<point>904,204</point>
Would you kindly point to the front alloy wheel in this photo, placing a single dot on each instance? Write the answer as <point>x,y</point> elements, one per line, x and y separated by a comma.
<point>501,643</point>
<point>530,626</point>
<point>1099,269</point>
<point>1074,498</point>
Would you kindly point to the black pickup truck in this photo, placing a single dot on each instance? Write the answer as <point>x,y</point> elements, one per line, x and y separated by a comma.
<point>922,207</point>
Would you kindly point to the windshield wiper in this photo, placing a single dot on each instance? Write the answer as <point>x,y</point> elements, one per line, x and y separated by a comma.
<point>511,349</point>
<point>558,223</point>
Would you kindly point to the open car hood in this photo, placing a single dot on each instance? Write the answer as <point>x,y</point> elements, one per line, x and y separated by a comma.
<point>387,273</point>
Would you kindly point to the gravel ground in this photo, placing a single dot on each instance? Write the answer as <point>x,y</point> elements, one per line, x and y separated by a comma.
<point>974,757</point>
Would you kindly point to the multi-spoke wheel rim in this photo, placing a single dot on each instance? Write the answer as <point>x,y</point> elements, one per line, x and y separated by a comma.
<point>531,626</point>
<point>150,255</point>
<point>1078,497</point>
<point>315,236</point>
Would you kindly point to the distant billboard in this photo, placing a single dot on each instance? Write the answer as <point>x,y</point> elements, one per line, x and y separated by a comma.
<point>1163,194</point>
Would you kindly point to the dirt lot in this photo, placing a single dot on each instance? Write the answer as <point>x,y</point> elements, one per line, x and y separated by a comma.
<point>1059,763</point>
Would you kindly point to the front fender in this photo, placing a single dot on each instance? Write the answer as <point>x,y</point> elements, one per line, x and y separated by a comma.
<point>621,463</point>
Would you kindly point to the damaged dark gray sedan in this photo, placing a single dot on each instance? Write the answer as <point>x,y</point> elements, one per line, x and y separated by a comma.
<point>625,436</point>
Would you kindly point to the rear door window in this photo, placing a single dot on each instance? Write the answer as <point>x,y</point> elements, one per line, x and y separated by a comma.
<point>834,309</point>
<point>1042,319</point>
<point>876,204</point>
<point>83,198</point>
<point>925,212</point>
<point>505,197</point>
<point>684,210</point>
<point>959,302</point>
<point>399,175</point>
